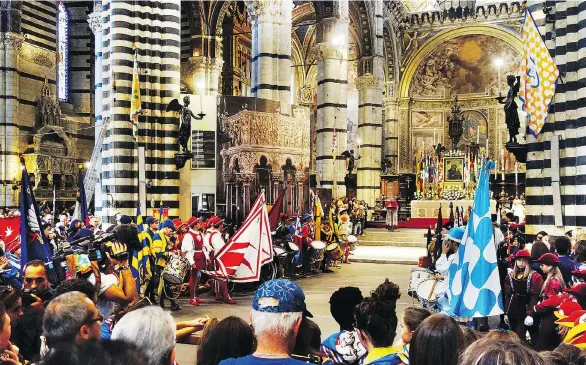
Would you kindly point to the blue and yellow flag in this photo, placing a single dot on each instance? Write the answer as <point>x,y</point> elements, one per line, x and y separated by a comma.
<point>141,265</point>
<point>539,75</point>
<point>135,106</point>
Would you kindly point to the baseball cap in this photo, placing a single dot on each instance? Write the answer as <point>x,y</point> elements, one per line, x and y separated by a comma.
<point>150,220</point>
<point>280,296</point>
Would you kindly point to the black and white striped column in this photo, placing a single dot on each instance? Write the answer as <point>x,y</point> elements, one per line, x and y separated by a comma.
<point>370,119</point>
<point>332,101</point>
<point>158,42</point>
<point>566,121</point>
<point>271,49</point>
<point>95,22</point>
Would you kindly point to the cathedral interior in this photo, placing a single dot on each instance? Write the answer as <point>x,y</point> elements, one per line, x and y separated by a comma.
<point>338,98</point>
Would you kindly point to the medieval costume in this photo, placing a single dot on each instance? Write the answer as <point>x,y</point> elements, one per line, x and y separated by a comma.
<point>392,208</point>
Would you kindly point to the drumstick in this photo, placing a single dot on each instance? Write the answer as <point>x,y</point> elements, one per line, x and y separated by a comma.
<point>432,289</point>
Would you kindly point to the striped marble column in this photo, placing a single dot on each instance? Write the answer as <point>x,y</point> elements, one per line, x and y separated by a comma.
<point>12,44</point>
<point>391,125</point>
<point>332,101</point>
<point>95,22</point>
<point>158,43</point>
<point>566,121</point>
<point>370,134</point>
<point>271,49</point>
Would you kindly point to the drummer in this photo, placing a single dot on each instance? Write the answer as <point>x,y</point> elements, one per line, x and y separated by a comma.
<point>450,247</point>
<point>195,252</point>
<point>161,247</point>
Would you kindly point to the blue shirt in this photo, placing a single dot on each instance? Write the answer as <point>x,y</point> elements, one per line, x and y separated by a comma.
<point>253,360</point>
<point>566,268</point>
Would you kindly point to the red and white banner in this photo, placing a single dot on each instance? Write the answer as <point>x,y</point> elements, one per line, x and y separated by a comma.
<point>251,247</point>
<point>10,233</point>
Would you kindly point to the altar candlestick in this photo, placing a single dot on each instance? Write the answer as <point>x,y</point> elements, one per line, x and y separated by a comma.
<point>496,168</point>
<point>516,177</point>
<point>434,143</point>
<point>478,135</point>
<point>486,152</point>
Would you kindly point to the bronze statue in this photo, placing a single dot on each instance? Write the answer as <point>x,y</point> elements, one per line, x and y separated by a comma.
<point>511,114</point>
<point>186,114</point>
<point>350,160</point>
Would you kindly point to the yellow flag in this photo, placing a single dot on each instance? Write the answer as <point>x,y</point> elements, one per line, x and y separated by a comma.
<point>539,75</point>
<point>319,212</point>
<point>135,107</point>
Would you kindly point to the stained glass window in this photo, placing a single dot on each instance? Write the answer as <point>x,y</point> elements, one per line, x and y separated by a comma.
<point>62,52</point>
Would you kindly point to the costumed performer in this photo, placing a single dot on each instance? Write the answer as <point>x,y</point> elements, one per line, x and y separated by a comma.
<point>548,338</point>
<point>161,247</point>
<point>213,238</point>
<point>450,245</point>
<point>392,207</point>
<point>196,253</point>
<point>521,294</point>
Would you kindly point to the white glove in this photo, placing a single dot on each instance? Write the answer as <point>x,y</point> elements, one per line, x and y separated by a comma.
<point>529,321</point>
<point>507,320</point>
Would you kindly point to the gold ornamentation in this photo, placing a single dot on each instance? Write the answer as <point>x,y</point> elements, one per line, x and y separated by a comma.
<point>366,81</point>
<point>324,51</point>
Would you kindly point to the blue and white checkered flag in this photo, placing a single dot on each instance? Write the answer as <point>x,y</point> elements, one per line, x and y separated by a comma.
<point>474,287</point>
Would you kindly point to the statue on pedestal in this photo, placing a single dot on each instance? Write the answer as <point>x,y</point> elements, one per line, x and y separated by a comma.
<point>185,114</point>
<point>511,114</point>
<point>350,161</point>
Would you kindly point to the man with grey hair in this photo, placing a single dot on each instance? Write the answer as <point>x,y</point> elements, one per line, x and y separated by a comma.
<point>71,317</point>
<point>152,330</point>
<point>278,308</point>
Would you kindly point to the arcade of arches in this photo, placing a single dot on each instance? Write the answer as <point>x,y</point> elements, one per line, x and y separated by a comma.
<point>295,94</point>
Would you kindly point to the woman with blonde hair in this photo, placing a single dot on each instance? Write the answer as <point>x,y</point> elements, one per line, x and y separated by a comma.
<point>548,338</point>
<point>522,290</point>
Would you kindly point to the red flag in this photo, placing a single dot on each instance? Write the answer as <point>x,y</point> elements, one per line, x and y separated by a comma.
<point>274,213</point>
<point>10,233</point>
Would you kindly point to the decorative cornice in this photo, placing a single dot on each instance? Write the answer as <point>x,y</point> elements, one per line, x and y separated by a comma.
<point>95,21</point>
<point>259,9</point>
<point>366,81</point>
<point>324,51</point>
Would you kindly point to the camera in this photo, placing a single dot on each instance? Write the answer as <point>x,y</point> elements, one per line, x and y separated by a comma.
<point>27,298</point>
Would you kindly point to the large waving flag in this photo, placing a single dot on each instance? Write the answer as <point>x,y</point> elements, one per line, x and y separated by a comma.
<point>539,75</point>
<point>34,244</point>
<point>318,213</point>
<point>248,249</point>
<point>135,106</point>
<point>141,265</point>
<point>474,285</point>
<point>276,210</point>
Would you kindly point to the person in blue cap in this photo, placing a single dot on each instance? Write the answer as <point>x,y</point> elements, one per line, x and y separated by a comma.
<point>152,228</point>
<point>160,250</point>
<point>278,308</point>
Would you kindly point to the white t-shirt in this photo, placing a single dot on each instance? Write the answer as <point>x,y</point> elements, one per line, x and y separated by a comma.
<point>106,307</point>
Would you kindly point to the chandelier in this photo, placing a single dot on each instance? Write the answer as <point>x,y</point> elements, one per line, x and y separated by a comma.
<point>455,124</point>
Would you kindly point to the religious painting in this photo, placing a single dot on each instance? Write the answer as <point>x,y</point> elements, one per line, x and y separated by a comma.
<point>475,128</point>
<point>453,169</point>
<point>425,139</point>
<point>423,119</point>
<point>465,65</point>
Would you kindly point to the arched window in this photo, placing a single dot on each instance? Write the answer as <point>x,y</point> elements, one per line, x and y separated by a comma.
<point>62,52</point>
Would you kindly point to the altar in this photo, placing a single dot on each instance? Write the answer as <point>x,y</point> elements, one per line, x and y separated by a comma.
<point>430,208</point>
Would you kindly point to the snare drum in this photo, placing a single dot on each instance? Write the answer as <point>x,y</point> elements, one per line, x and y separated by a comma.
<point>317,251</point>
<point>176,269</point>
<point>280,252</point>
<point>427,290</point>
<point>418,275</point>
<point>334,251</point>
<point>292,247</point>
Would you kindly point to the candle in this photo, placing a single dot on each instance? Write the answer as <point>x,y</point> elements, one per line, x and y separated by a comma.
<point>478,135</point>
<point>503,159</point>
<point>516,177</point>
<point>503,175</point>
<point>486,152</point>
<point>434,143</point>
<point>496,168</point>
